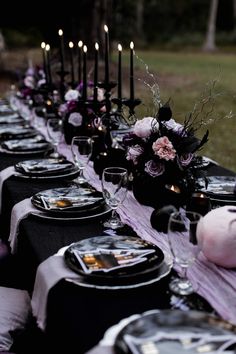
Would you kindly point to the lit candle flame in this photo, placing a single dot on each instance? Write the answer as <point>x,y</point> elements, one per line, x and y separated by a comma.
<point>202,195</point>
<point>105,28</point>
<point>71,45</point>
<point>120,47</point>
<point>131,45</point>
<point>80,44</point>
<point>96,46</point>
<point>85,49</point>
<point>173,188</point>
<point>43,45</point>
<point>47,47</point>
<point>60,32</point>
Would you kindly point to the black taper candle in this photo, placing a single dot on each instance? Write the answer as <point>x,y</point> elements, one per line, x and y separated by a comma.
<point>62,53</point>
<point>43,46</point>
<point>119,86</point>
<point>48,61</point>
<point>71,46</point>
<point>106,56</point>
<point>131,71</point>
<point>80,45</point>
<point>95,83</point>
<point>84,95</point>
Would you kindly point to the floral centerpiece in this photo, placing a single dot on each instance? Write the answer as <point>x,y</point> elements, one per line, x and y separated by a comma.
<point>163,158</point>
<point>81,118</point>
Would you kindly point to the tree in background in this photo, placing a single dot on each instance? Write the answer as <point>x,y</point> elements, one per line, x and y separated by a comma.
<point>209,44</point>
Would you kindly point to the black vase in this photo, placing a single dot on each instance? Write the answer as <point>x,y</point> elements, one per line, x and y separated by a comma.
<point>156,192</point>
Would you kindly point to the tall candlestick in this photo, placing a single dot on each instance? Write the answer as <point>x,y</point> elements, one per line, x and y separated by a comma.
<point>43,46</point>
<point>131,71</point>
<point>71,46</point>
<point>106,55</point>
<point>62,53</point>
<point>80,45</point>
<point>48,58</point>
<point>95,83</point>
<point>85,73</point>
<point>119,86</point>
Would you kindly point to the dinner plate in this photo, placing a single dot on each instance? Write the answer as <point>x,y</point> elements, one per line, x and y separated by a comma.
<point>162,272</point>
<point>89,215</point>
<point>70,175</point>
<point>175,332</point>
<point>10,131</point>
<point>115,260</point>
<point>44,167</point>
<point>220,188</point>
<point>69,201</point>
<point>24,146</point>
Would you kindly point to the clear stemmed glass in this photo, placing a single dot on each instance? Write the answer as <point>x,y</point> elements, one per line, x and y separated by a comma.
<point>55,133</point>
<point>114,188</point>
<point>182,239</point>
<point>81,148</point>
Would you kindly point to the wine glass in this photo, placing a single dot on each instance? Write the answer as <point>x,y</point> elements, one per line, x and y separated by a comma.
<point>183,243</point>
<point>81,148</point>
<point>55,133</point>
<point>114,188</point>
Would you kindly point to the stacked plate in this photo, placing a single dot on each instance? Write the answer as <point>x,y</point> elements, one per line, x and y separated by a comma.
<point>34,145</point>
<point>220,189</point>
<point>116,261</point>
<point>16,131</point>
<point>174,332</point>
<point>46,168</point>
<point>71,203</point>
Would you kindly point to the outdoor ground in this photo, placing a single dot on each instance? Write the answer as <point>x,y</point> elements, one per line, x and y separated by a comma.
<point>183,77</point>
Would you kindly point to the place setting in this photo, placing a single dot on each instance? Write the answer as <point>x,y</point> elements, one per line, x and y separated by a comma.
<point>47,168</point>
<point>33,145</point>
<point>220,189</point>
<point>70,203</point>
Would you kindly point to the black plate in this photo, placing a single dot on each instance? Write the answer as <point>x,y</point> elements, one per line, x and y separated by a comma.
<point>16,132</point>
<point>139,272</point>
<point>64,201</point>
<point>44,167</point>
<point>143,331</point>
<point>219,187</point>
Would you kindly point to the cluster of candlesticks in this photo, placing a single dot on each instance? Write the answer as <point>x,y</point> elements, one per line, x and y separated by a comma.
<point>81,65</point>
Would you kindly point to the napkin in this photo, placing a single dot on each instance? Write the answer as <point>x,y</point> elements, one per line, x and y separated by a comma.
<point>49,273</point>
<point>4,174</point>
<point>20,211</point>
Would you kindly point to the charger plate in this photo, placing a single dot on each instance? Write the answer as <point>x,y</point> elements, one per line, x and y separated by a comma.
<point>152,269</point>
<point>175,332</point>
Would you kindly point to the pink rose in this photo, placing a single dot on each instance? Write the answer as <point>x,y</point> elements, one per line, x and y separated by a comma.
<point>185,159</point>
<point>163,148</point>
<point>133,153</point>
<point>144,127</point>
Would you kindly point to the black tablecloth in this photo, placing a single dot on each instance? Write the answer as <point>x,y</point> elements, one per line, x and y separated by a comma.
<point>77,316</point>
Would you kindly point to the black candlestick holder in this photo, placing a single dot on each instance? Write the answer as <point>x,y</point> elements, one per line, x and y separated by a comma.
<point>131,104</point>
<point>62,74</point>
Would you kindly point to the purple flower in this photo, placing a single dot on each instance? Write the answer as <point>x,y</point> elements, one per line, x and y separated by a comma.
<point>154,169</point>
<point>72,95</point>
<point>185,159</point>
<point>71,105</point>
<point>75,119</point>
<point>133,153</point>
<point>163,148</point>
<point>176,127</point>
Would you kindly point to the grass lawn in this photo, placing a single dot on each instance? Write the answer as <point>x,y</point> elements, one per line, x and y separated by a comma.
<point>183,78</point>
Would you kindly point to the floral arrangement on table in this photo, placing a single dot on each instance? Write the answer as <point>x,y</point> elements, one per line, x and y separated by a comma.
<point>81,118</point>
<point>163,159</point>
<point>33,81</point>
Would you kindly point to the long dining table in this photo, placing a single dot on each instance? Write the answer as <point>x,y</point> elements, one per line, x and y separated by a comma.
<point>78,316</point>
